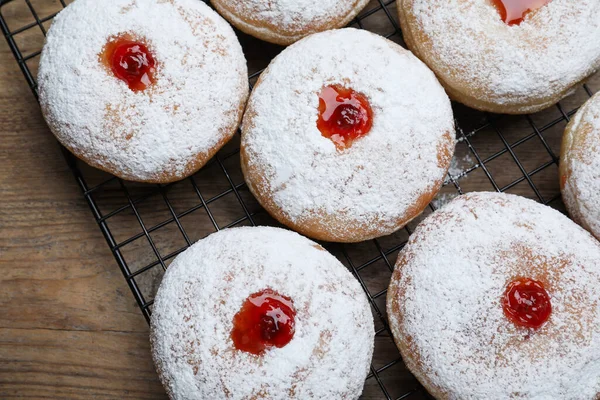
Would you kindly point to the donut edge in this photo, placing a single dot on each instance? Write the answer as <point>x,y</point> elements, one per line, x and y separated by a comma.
<point>281,37</point>
<point>166,176</point>
<point>403,341</point>
<point>343,231</point>
<point>163,177</point>
<point>395,292</point>
<point>157,361</point>
<point>350,279</point>
<point>340,231</point>
<point>460,94</point>
<point>574,133</point>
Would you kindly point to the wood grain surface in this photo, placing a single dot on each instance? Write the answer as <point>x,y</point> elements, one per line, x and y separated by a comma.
<point>69,326</point>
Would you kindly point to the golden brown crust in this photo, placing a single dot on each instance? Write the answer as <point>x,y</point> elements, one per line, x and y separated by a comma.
<point>148,136</point>
<point>272,32</point>
<point>342,228</point>
<point>165,176</point>
<point>462,88</point>
<point>326,227</point>
<point>574,144</point>
<point>404,342</point>
<point>336,228</point>
<point>521,258</point>
<point>194,360</point>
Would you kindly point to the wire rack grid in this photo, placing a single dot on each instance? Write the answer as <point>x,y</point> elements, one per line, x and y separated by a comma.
<point>146,226</point>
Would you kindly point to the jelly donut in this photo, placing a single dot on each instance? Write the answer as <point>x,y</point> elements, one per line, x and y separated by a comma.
<point>260,313</point>
<point>496,297</point>
<point>580,167</point>
<point>505,56</point>
<point>347,136</point>
<point>147,90</point>
<point>286,21</point>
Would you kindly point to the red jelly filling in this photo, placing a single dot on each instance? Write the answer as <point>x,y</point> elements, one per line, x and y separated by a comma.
<point>526,303</point>
<point>513,11</point>
<point>130,61</point>
<point>344,115</point>
<point>266,319</point>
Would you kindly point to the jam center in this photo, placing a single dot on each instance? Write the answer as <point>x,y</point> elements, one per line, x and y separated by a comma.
<point>344,115</point>
<point>266,319</point>
<point>526,303</point>
<point>130,61</point>
<point>513,11</point>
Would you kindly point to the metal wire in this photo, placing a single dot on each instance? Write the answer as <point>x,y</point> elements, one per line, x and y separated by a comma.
<point>379,259</point>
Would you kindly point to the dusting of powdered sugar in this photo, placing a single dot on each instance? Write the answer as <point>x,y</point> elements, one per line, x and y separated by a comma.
<point>381,175</point>
<point>329,355</point>
<point>581,191</point>
<point>293,16</point>
<point>442,199</point>
<point>194,105</point>
<point>459,165</point>
<point>444,302</point>
<point>554,48</point>
<point>457,171</point>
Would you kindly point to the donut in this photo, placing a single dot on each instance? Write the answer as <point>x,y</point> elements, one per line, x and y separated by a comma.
<point>286,21</point>
<point>579,166</point>
<point>147,90</point>
<point>260,313</point>
<point>346,137</point>
<point>505,56</point>
<point>496,297</point>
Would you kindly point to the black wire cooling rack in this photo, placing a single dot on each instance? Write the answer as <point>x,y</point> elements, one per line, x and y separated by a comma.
<point>146,226</point>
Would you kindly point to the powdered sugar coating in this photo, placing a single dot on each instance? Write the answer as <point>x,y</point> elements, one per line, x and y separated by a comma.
<point>372,186</point>
<point>164,132</point>
<point>444,302</point>
<point>329,355</point>
<point>285,21</point>
<point>522,67</point>
<point>580,166</point>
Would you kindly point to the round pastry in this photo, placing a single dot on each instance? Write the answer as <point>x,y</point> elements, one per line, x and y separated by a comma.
<point>286,21</point>
<point>496,297</point>
<point>347,136</point>
<point>505,56</point>
<point>133,87</point>
<point>260,313</point>
<point>579,166</point>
